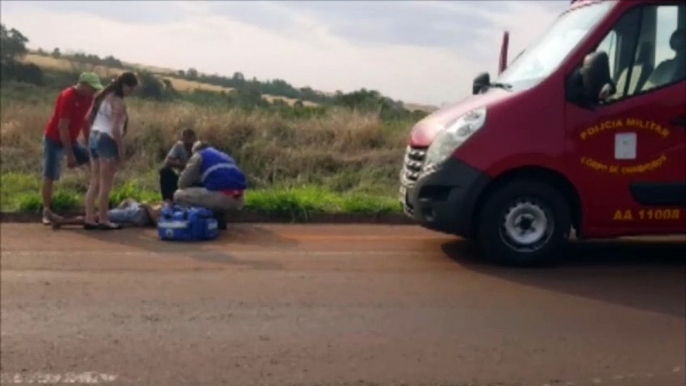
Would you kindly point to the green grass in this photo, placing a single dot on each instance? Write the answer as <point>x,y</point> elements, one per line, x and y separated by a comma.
<point>21,192</point>
<point>302,201</point>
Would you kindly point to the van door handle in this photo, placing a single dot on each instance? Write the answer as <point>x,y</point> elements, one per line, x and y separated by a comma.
<point>681,122</point>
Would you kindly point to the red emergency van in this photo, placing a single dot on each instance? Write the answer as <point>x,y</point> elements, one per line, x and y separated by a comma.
<point>584,131</point>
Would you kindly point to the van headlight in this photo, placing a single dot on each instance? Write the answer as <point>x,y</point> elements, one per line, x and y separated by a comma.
<point>455,133</point>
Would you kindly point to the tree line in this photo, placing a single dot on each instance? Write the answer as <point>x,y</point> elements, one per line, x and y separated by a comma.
<point>247,94</point>
<point>12,48</point>
<point>275,87</point>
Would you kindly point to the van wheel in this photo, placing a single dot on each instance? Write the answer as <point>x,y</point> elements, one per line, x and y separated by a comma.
<point>524,223</point>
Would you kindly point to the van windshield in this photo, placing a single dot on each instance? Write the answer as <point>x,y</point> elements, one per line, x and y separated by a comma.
<point>545,55</point>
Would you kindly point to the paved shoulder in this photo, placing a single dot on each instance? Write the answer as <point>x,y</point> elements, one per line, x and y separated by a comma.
<point>332,305</point>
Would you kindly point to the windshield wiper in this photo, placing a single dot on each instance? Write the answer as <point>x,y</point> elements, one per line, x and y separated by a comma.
<point>504,86</point>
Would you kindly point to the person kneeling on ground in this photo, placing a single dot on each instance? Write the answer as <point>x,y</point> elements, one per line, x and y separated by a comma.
<point>176,159</point>
<point>212,180</point>
<point>129,212</point>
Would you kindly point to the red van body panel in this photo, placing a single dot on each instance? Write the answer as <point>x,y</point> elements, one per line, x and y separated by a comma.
<point>621,158</point>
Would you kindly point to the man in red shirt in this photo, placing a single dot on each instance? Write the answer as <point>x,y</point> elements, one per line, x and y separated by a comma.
<point>62,132</point>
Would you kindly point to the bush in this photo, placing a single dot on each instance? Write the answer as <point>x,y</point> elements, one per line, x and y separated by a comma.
<point>25,73</point>
<point>151,87</point>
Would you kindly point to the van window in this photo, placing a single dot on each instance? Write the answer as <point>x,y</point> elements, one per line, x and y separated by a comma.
<point>609,46</point>
<point>545,56</point>
<point>619,45</point>
<point>670,48</point>
<point>667,23</point>
<point>650,56</point>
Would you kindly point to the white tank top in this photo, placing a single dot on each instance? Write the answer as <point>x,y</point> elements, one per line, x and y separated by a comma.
<point>104,120</point>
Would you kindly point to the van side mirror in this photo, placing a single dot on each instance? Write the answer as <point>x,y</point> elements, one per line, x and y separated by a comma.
<point>481,82</point>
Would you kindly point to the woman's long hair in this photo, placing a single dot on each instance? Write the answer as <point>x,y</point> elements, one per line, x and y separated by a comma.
<point>117,87</point>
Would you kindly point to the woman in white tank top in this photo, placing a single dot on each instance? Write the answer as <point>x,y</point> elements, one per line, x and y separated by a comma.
<point>108,120</point>
<point>104,119</point>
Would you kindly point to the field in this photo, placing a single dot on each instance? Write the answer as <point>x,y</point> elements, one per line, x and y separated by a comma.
<point>183,85</point>
<point>59,64</point>
<point>342,161</point>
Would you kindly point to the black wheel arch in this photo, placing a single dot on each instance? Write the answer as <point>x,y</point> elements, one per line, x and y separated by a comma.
<point>534,173</point>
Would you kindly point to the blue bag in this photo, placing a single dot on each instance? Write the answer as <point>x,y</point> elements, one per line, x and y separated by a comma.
<point>178,223</point>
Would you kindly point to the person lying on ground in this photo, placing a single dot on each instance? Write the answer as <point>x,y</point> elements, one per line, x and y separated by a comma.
<point>221,182</point>
<point>176,160</point>
<point>129,212</point>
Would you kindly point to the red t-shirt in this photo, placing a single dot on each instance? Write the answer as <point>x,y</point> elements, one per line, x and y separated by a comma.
<point>72,106</point>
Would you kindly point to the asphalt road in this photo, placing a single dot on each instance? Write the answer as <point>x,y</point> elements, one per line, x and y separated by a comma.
<point>333,305</point>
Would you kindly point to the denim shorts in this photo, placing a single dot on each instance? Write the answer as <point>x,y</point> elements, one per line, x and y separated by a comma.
<point>53,153</point>
<point>103,146</point>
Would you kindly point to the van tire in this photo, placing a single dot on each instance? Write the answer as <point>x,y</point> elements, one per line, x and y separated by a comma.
<point>524,223</point>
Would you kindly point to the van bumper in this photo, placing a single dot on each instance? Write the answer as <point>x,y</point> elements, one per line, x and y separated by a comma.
<point>445,200</point>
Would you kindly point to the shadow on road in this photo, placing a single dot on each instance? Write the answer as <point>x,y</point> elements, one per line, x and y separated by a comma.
<point>210,251</point>
<point>643,275</point>
<point>248,234</point>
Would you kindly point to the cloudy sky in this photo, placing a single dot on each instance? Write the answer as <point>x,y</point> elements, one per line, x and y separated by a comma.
<point>421,52</point>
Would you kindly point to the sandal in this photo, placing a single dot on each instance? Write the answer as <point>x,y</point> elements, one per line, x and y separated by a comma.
<point>90,227</point>
<point>109,226</point>
<point>49,218</point>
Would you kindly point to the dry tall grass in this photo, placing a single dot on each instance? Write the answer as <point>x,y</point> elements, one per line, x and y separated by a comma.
<point>344,150</point>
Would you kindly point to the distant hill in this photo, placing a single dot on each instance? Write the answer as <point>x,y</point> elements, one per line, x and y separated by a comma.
<point>47,61</point>
<point>183,85</point>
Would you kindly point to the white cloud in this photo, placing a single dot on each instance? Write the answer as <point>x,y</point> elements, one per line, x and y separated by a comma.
<point>192,7</point>
<point>306,54</point>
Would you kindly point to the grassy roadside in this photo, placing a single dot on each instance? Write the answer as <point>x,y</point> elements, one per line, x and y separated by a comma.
<point>344,151</point>
<point>21,192</point>
<point>339,161</point>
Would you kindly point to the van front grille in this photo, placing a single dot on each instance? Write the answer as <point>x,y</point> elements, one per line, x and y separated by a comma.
<point>412,164</point>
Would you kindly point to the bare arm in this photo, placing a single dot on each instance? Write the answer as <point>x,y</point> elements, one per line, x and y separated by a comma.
<point>172,159</point>
<point>64,136</point>
<point>191,173</point>
<point>119,114</point>
<point>174,163</point>
<point>87,127</point>
<point>64,110</point>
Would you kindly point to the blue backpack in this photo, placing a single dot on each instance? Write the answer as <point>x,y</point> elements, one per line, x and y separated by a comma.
<point>178,223</point>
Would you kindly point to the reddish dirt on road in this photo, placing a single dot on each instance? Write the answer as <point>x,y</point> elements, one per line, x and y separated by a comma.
<point>333,305</point>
